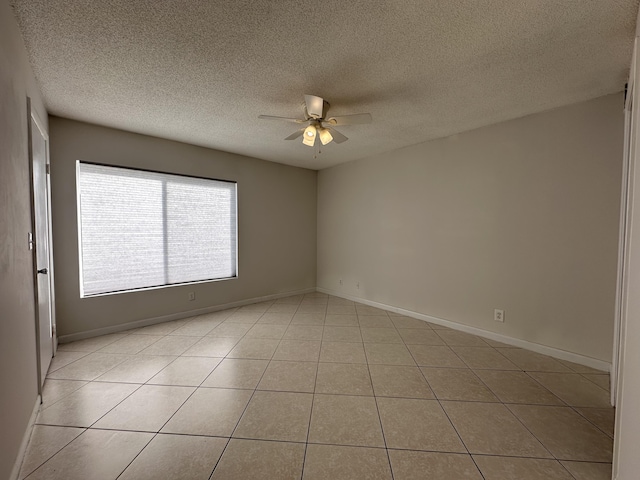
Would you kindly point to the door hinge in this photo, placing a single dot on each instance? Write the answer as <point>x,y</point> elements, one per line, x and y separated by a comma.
<point>48,168</point>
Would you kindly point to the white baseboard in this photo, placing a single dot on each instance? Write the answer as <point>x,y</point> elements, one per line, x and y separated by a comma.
<point>516,342</point>
<point>174,316</point>
<point>25,440</point>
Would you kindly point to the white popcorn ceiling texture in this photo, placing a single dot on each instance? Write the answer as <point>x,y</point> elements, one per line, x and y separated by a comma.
<point>201,71</point>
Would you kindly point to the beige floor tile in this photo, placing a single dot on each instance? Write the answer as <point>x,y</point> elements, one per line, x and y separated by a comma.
<point>196,328</point>
<point>272,318</point>
<point>236,373</point>
<point>290,300</point>
<point>375,321</point>
<point>343,378</point>
<point>86,405</point>
<point>298,350</point>
<point>517,387</point>
<point>55,390</point>
<point>96,454</point>
<point>576,367</point>
<point>533,362</point>
<point>138,369</point>
<point>256,307</point>
<point>44,443</point>
<point>303,332</point>
<point>435,356</point>
<point>312,308</point>
<point>210,411</point>
<point>380,335</point>
<point>457,384</point>
<point>230,330</point>
<point>341,334</point>
<point>574,389</point>
<point>131,344</point>
<point>345,420</point>
<point>506,468</point>
<point>170,345</point>
<point>491,429</point>
<point>283,308</point>
<point>63,359</point>
<point>286,376</point>
<point>435,326</point>
<point>147,409</point>
<point>417,425</point>
<point>484,358</point>
<point>266,331</point>
<point>455,338</point>
<point>408,465</point>
<point>176,457</point>
<point>244,316</point>
<point>337,320</point>
<point>280,416</point>
<point>367,310</point>
<point>346,463</point>
<point>89,367</point>
<point>495,344</point>
<point>220,315</point>
<point>399,381</point>
<point>163,328</point>
<point>257,459</point>
<point>211,347</point>
<point>589,471</point>
<point>349,310</point>
<point>408,322</point>
<point>420,336</point>
<point>90,344</point>
<point>388,354</point>
<point>308,319</point>
<point>341,301</point>
<point>186,371</point>
<point>603,418</point>
<point>342,352</point>
<point>254,348</point>
<point>602,381</point>
<point>566,434</point>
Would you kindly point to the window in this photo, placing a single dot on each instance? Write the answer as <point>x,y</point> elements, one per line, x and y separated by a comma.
<point>140,229</point>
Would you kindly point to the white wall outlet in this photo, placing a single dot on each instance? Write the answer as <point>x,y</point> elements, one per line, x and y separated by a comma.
<point>192,296</point>
<point>498,315</point>
<point>340,282</point>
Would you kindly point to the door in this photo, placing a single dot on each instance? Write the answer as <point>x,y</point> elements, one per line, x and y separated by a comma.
<point>42,255</point>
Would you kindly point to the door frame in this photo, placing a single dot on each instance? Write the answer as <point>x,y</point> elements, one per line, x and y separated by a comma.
<point>33,115</point>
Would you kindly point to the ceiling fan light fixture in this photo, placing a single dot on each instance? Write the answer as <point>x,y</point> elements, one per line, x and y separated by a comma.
<point>309,137</point>
<point>325,136</point>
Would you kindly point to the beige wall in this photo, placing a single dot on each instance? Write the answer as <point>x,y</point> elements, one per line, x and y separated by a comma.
<point>276,225</point>
<point>18,369</point>
<point>521,216</point>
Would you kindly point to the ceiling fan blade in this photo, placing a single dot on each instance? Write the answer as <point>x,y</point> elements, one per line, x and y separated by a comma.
<point>295,135</point>
<point>337,136</point>
<point>356,119</point>
<point>286,119</point>
<point>314,105</point>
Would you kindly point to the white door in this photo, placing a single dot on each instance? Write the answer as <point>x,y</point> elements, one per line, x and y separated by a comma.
<point>44,278</point>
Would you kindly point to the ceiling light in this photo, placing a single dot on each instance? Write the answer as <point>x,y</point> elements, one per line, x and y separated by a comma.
<point>325,135</point>
<point>309,137</point>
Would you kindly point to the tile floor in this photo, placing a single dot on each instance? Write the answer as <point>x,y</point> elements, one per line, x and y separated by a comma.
<point>316,387</point>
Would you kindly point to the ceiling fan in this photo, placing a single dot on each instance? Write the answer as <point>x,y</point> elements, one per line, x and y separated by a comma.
<point>319,124</point>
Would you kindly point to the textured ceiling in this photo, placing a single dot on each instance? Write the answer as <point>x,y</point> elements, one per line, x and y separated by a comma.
<point>201,71</point>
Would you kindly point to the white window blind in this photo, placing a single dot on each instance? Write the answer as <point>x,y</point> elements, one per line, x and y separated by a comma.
<point>140,229</point>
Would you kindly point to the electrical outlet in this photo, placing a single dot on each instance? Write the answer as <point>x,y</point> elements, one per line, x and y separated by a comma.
<point>192,296</point>
<point>340,282</point>
<point>358,285</point>
<point>498,315</point>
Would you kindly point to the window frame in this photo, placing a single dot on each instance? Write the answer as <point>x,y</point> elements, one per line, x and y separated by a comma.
<point>153,287</point>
